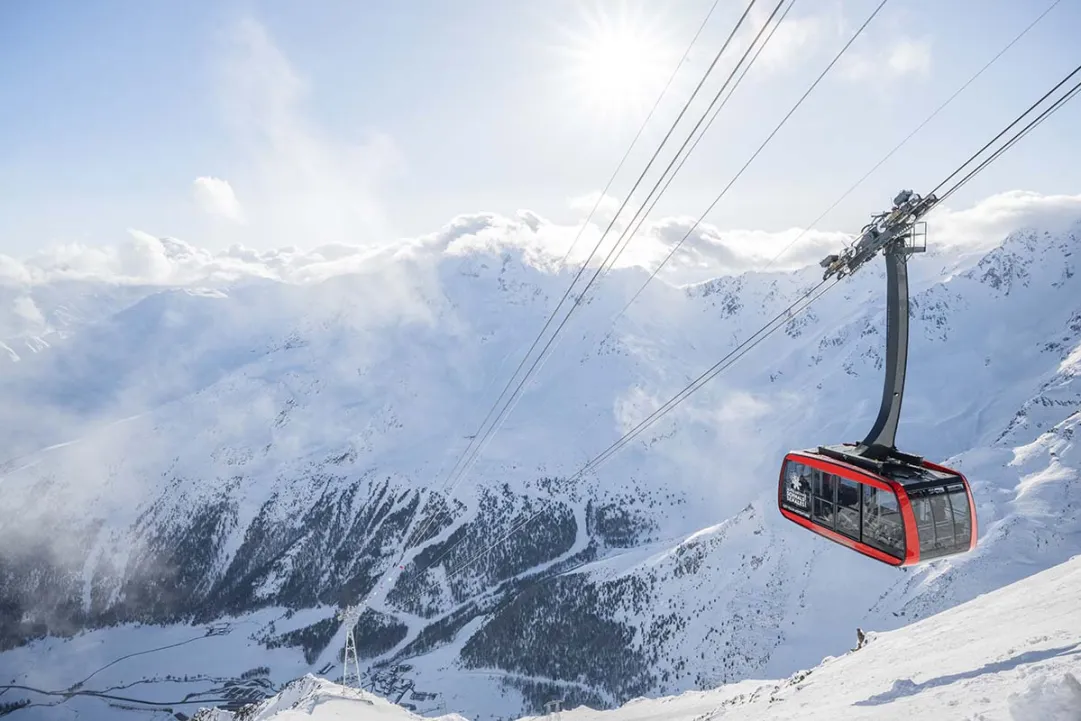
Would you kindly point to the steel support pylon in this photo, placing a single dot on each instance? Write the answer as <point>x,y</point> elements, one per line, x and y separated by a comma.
<point>350,661</point>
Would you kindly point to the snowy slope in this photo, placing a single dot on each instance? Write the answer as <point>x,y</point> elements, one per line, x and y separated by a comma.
<point>34,317</point>
<point>1012,654</point>
<point>312,697</point>
<point>258,454</point>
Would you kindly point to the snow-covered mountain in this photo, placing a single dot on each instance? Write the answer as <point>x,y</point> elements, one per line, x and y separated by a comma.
<point>973,661</point>
<point>223,465</point>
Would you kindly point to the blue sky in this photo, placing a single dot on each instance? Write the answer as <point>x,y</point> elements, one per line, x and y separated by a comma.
<point>363,122</point>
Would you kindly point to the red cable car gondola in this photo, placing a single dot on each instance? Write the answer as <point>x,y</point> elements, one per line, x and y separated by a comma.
<point>892,506</point>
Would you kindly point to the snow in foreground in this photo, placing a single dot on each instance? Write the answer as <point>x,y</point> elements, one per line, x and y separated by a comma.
<point>1013,654</point>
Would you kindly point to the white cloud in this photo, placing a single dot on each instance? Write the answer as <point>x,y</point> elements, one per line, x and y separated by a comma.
<point>303,185</point>
<point>890,61</point>
<point>822,31</point>
<point>12,272</point>
<point>607,205</point>
<point>216,196</point>
<point>740,406</point>
<point>144,256</point>
<point>982,226</point>
<point>792,41</point>
<point>910,57</point>
<point>26,310</point>
<point>709,252</point>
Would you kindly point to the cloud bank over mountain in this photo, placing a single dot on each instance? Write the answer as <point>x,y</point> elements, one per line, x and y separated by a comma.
<point>709,251</point>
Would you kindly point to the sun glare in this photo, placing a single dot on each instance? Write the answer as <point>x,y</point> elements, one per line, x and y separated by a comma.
<point>617,65</point>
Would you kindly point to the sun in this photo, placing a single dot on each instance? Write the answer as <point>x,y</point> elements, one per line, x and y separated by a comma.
<point>615,64</point>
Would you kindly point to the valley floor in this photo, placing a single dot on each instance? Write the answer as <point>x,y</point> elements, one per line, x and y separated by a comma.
<point>1013,654</point>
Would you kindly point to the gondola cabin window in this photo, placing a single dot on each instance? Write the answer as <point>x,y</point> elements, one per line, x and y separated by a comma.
<point>942,519</point>
<point>824,486</point>
<point>797,488</point>
<point>848,507</point>
<point>882,525</point>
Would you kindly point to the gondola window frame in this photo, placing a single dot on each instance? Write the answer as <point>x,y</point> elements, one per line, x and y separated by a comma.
<point>875,540</point>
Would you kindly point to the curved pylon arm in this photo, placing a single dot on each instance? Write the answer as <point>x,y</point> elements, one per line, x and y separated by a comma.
<point>892,233</point>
